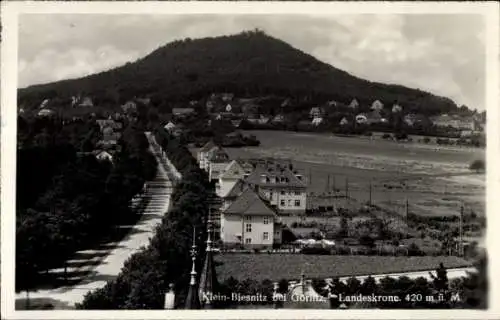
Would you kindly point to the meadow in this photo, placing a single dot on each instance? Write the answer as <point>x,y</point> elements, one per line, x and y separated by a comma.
<point>397,171</point>
<point>290,266</point>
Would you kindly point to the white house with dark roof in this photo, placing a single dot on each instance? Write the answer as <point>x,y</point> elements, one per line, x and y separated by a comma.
<point>377,105</point>
<point>231,174</point>
<point>283,188</point>
<point>354,104</point>
<point>248,221</point>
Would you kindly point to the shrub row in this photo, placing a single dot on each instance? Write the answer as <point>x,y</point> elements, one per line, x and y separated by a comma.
<point>145,276</point>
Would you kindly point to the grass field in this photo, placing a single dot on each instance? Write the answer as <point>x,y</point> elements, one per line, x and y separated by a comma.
<point>329,162</point>
<point>289,266</point>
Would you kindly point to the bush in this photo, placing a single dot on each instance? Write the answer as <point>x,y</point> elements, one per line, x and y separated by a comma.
<point>478,165</point>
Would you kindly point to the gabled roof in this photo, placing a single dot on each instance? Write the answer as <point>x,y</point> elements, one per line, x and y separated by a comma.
<point>250,203</point>
<point>274,170</point>
<point>233,170</point>
<point>208,146</point>
<point>239,187</point>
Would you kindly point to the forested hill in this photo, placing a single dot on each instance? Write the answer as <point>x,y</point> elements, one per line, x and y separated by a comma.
<point>247,64</point>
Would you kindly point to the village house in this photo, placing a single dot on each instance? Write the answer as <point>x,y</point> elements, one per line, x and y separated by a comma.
<point>258,119</point>
<point>231,174</point>
<point>248,221</point>
<point>454,121</point>
<point>203,154</point>
<point>377,106</point>
<point>316,112</point>
<point>354,104</point>
<point>278,119</point>
<point>344,122</point>
<point>108,123</point>
<point>396,108</point>
<point>45,112</point>
<point>227,97</point>
<point>283,188</point>
<point>218,160</point>
<point>103,155</point>
<point>86,102</point>
<point>170,126</point>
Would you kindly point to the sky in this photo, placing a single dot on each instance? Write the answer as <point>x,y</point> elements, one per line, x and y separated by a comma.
<point>442,54</point>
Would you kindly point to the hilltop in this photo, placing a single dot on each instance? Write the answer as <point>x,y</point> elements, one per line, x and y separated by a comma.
<point>248,64</point>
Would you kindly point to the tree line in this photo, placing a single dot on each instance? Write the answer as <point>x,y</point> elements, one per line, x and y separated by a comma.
<point>67,199</point>
<point>146,275</point>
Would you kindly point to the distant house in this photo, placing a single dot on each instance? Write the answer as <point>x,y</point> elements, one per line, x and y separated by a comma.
<point>44,103</point>
<point>86,102</point>
<point>45,112</point>
<point>279,118</point>
<point>103,155</point>
<point>280,186</point>
<point>344,121</point>
<point>362,118</point>
<point>129,106</point>
<point>105,123</point>
<point>218,159</point>
<point>248,221</point>
<point>316,112</point>
<point>182,112</point>
<point>227,97</point>
<point>412,119</point>
<point>354,104</point>
<point>145,101</point>
<point>258,119</point>
<point>236,123</point>
<point>317,121</point>
<point>454,121</point>
<point>377,106</point>
<point>332,104</point>
<point>170,126</point>
<point>231,174</point>
<point>396,108</point>
<point>229,108</point>
<point>249,108</point>
<point>203,154</point>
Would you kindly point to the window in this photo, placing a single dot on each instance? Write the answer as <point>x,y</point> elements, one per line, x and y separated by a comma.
<point>248,240</point>
<point>266,220</point>
<point>283,179</point>
<point>248,218</point>
<point>297,193</point>
<point>289,202</point>
<point>270,195</point>
<point>266,235</point>
<point>297,203</point>
<point>248,227</point>
<point>283,193</point>
<point>282,203</point>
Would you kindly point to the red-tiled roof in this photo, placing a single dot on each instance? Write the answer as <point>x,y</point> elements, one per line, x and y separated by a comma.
<point>274,170</point>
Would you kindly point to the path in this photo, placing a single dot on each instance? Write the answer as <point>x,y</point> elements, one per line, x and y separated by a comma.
<point>95,267</point>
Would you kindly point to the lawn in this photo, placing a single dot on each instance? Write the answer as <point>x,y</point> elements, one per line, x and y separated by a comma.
<point>328,162</point>
<point>289,266</point>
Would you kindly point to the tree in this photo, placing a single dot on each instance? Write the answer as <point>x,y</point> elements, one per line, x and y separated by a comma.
<point>478,165</point>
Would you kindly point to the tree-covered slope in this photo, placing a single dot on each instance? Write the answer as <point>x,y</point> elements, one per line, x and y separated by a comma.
<point>247,64</point>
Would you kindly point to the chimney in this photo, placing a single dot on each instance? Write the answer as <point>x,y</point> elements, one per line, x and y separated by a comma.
<point>170,298</point>
<point>263,178</point>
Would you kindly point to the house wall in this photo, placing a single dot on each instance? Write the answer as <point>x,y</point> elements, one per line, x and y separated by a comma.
<point>216,169</point>
<point>289,196</point>
<point>234,225</point>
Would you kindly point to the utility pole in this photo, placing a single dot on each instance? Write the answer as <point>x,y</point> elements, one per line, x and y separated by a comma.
<point>461,235</point>
<point>327,186</point>
<point>370,199</point>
